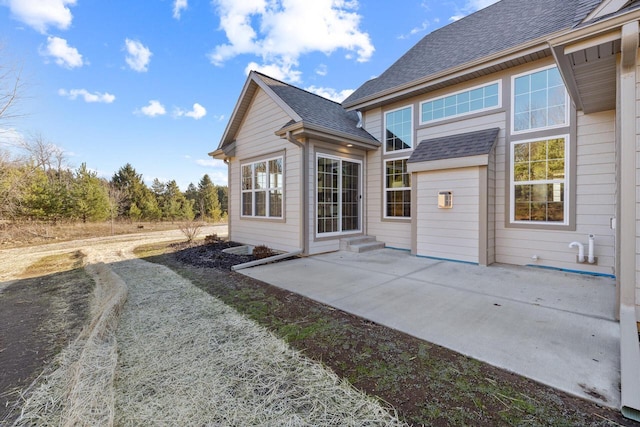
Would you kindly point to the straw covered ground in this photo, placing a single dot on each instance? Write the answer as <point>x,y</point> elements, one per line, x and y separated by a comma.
<point>175,355</point>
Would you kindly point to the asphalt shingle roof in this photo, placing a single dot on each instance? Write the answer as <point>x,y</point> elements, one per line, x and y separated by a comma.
<point>454,146</point>
<point>316,110</point>
<point>503,25</point>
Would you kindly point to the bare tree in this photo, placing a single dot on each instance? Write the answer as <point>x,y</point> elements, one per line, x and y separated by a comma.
<point>11,85</point>
<point>44,154</point>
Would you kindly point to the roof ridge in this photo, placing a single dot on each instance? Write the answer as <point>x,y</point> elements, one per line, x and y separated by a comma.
<point>297,88</point>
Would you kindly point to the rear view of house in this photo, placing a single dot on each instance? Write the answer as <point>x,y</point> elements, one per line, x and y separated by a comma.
<point>508,136</point>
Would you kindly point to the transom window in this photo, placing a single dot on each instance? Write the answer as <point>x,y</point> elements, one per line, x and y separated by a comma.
<point>397,189</point>
<point>457,104</point>
<point>399,129</point>
<point>540,101</point>
<point>262,188</point>
<point>539,180</point>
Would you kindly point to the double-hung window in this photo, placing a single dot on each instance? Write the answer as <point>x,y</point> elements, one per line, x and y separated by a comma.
<point>397,189</point>
<point>539,186</point>
<point>398,137</point>
<point>262,188</point>
<point>540,163</point>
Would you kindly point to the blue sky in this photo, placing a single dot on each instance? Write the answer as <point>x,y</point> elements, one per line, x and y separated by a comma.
<point>153,82</point>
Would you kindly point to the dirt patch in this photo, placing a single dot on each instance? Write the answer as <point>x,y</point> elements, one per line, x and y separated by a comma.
<point>427,384</point>
<point>39,316</point>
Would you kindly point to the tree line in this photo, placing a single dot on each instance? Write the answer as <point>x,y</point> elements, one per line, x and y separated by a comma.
<point>37,186</point>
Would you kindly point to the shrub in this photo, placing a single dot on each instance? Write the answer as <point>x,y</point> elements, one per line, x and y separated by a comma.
<point>262,251</point>
<point>190,229</point>
<point>212,239</point>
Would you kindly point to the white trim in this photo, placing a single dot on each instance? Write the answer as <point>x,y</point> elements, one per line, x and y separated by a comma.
<point>360,199</point>
<point>566,181</point>
<point>499,82</point>
<point>265,190</point>
<point>384,130</point>
<point>385,189</point>
<point>567,103</point>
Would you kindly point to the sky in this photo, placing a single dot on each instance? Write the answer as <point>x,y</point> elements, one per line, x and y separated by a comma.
<point>154,82</point>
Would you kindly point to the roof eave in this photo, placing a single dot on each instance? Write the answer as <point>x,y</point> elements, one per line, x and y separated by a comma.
<point>302,129</point>
<point>225,152</point>
<point>532,47</point>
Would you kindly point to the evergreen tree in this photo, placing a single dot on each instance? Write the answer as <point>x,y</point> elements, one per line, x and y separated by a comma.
<point>90,199</point>
<point>208,200</point>
<point>138,202</point>
<point>192,196</point>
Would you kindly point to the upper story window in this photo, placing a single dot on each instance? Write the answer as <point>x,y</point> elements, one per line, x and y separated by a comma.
<point>262,188</point>
<point>540,101</point>
<point>461,103</point>
<point>398,129</point>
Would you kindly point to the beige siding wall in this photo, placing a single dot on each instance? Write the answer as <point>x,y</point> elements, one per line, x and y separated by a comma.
<point>448,233</point>
<point>491,208</point>
<point>254,140</point>
<point>595,205</point>
<point>317,243</point>
<point>395,233</point>
<point>594,179</point>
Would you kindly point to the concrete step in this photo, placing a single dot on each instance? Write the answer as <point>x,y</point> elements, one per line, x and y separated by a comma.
<point>360,244</point>
<point>366,247</point>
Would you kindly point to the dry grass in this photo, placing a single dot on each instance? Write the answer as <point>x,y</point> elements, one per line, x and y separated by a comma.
<point>188,359</point>
<point>13,235</point>
<point>54,264</point>
<point>80,390</point>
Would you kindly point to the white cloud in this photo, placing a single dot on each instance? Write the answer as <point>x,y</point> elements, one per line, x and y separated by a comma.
<point>329,93</point>
<point>155,108</point>
<point>322,70</point>
<point>471,6</point>
<point>279,71</point>
<point>178,7</point>
<point>219,173</point>
<point>106,97</point>
<point>40,14</point>
<point>10,137</point>
<point>65,55</point>
<point>197,112</point>
<point>138,55</point>
<point>280,31</point>
<point>416,30</point>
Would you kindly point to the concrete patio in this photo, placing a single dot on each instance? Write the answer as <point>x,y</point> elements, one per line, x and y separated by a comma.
<point>554,327</point>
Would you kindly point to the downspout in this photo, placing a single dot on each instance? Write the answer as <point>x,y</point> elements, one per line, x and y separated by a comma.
<point>304,192</point>
<point>627,234</point>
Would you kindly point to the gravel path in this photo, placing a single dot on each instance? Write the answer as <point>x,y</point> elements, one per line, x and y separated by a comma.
<point>185,358</point>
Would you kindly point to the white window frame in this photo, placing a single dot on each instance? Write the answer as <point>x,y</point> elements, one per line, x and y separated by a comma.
<point>567,103</point>
<point>360,205</point>
<point>566,181</point>
<point>387,190</point>
<point>495,107</point>
<point>266,190</point>
<point>384,130</point>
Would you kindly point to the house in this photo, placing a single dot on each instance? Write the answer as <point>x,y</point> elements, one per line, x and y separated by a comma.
<point>509,136</point>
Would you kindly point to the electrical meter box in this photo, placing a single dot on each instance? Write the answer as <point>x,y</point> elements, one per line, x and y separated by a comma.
<point>445,200</point>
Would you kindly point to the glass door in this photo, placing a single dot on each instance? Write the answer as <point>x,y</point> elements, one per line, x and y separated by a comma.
<point>338,195</point>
